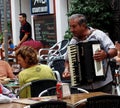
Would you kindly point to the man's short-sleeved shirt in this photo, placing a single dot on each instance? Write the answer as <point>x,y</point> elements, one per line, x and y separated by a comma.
<point>25,28</point>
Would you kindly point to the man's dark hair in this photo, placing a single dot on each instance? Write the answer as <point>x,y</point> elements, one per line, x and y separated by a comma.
<point>23,15</point>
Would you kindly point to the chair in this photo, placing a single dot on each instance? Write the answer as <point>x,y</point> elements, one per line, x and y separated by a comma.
<point>57,75</point>
<point>103,101</point>
<point>59,65</point>
<point>115,69</point>
<point>37,86</point>
<point>58,50</point>
<point>50,104</point>
<point>52,91</point>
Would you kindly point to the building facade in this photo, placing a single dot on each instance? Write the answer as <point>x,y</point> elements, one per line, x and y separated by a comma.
<point>49,27</point>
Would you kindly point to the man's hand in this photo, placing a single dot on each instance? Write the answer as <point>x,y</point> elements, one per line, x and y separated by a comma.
<point>117,46</point>
<point>100,55</point>
<point>66,73</point>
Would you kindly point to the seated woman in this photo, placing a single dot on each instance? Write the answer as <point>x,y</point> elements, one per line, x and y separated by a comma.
<point>5,70</point>
<point>27,58</point>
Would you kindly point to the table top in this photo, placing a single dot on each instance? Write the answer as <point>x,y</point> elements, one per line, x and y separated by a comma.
<point>73,101</point>
<point>11,83</point>
<point>77,99</point>
<point>12,105</point>
<point>4,80</point>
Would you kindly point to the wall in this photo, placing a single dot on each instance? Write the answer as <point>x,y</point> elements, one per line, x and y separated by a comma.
<point>61,18</point>
<point>25,8</point>
<point>15,10</point>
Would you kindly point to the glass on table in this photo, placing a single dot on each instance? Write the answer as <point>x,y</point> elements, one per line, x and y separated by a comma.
<point>16,68</point>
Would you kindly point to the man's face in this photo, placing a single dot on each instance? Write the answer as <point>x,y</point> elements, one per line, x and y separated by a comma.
<point>21,18</point>
<point>75,28</point>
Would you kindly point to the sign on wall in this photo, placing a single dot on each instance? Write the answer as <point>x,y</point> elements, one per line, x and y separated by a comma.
<point>45,29</point>
<point>42,6</point>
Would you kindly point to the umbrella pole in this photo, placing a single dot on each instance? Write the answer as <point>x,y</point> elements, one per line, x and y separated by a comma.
<point>5,31</point>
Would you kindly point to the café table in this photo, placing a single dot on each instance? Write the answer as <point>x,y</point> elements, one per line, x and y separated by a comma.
<point>12,84</point>
<point>12,105</point>
<point>78,100</point>
<point>74,101</point>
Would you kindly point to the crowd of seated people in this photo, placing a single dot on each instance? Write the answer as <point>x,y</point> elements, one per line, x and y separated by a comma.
<point>31,69</point>
<point>28,60</point>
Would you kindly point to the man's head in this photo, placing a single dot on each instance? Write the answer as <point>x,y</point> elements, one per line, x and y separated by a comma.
<point>22,17</point>
<point>78,24</point>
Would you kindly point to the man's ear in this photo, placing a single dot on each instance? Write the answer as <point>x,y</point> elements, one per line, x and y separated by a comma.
<point>83,25</point>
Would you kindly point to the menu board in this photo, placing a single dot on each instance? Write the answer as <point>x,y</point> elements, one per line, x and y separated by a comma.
<point>45,29</point>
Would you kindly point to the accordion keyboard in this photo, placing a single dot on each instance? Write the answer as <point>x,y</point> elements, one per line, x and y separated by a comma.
<point>74,65</point>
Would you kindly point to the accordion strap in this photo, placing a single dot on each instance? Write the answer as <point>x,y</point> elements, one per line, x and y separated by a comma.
<point>106,70</point>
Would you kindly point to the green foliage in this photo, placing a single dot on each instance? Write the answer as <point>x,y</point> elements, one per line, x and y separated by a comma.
<point>9,26</point>
<point>68,34</point>
<point>98,12</point>
<point>1,37</point>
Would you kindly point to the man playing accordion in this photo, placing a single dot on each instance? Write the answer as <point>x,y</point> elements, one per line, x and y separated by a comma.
<point>81,32</point>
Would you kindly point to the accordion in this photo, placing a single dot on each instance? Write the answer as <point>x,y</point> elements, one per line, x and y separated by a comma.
<point>83,68</point>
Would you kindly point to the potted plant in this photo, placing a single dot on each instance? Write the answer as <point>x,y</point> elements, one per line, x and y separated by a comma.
<point>98,13</point>
<point>1,38</point>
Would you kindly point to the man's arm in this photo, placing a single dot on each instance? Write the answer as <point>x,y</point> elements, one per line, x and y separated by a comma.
<point>112,52</point>
<point>23,39</point>
<point>101,54</point>
<point>66,73</point>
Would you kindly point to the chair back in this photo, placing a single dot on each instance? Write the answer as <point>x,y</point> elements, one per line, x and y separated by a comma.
<point>58,53</point>
<point>58,50</point>
<point>59,65</point>
<point>37,86</point>
<point>103,101</point>
<point>40,85</point>
<point>63,47</point>
<point>52,91</point>
<point>50,104</point>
